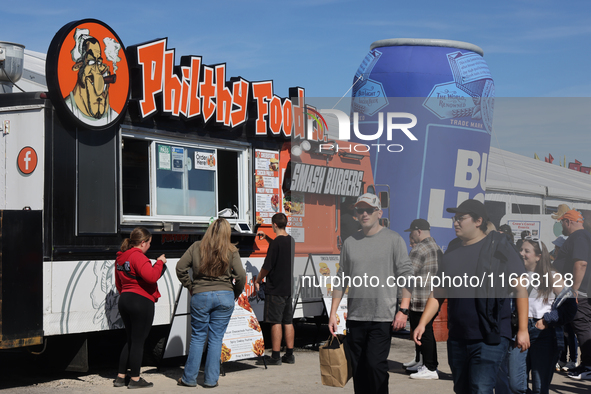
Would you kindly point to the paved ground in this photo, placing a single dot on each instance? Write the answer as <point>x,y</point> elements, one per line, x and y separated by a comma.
<point>243,376</point>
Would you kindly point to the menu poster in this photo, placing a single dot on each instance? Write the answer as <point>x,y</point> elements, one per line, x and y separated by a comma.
<point>267,201</point>
<point>327,266</point>
<point>341,313</point>
<point>243,338</point>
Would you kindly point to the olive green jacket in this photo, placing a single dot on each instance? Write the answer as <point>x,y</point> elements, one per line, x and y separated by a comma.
<point>233,280</point>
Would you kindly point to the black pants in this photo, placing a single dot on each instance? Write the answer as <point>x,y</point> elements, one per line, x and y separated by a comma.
<point>429,347</point>
<point>137,313</point>
<point>582,328</point>
<point>369,346</point>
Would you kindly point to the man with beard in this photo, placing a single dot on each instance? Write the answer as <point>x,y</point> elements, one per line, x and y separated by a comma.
<point>572,259</point>
<point>89,100</point>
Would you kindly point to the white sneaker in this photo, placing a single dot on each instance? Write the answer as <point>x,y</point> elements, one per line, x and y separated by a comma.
<point>424,373</point>
<point>413,362</point>
<point>415,367</point>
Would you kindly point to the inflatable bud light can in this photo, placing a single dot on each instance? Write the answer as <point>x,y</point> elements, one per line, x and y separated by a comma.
<point>423,109</point>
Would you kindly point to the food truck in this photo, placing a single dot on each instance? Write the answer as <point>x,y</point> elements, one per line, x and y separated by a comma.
<point>124,137</point>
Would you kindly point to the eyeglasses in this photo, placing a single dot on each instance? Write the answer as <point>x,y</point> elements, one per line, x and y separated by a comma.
<point>369,211</point>
<point>459,219</point>
<point>534,239</point>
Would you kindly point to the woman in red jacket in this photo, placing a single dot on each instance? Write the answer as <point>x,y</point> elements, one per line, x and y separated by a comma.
<point>135,278</point>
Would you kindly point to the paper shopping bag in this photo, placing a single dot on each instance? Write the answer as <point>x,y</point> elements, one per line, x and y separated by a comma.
<point>335,370</point>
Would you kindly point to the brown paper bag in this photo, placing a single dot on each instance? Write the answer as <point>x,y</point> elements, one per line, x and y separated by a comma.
<point>335,370</point>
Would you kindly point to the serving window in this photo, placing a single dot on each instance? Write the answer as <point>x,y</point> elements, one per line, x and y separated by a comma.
<point>174,181</point>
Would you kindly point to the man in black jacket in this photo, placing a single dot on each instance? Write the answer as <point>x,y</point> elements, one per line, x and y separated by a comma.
<point>474,276</point>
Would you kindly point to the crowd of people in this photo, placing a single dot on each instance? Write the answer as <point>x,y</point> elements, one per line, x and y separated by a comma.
<point>500,336</point>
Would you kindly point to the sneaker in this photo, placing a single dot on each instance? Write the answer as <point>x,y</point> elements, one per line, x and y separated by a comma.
<point>140,384</point>
<point>581,372</point>
<point>120,382</point>
<point>569,365</point>
<point>288,359</point>
<point>269,361</point>
<point>559,365</point>
<point>415,367</point>
<point>211,387</point>
<point>424,373</point>
<point>413,362</point>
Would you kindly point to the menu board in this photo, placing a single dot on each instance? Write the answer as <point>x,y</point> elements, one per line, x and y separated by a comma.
<point>243,338</point>
<point>325,267</point>
<point>267,201</point>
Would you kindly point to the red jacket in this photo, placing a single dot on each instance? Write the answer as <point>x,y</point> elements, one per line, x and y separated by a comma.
<point>139,276</point>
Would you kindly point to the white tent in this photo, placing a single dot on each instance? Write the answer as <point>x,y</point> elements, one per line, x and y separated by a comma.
<point>512,173</point>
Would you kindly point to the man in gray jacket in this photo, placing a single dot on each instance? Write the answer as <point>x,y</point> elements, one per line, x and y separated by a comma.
<point>373,261</point>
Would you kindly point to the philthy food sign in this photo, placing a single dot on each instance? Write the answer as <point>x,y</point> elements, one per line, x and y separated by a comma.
<point>90,75</point>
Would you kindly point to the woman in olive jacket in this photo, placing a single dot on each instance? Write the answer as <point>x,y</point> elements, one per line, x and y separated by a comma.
<point>218,279</point>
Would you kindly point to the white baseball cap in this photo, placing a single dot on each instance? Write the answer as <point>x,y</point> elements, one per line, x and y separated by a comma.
<point>370,199</point>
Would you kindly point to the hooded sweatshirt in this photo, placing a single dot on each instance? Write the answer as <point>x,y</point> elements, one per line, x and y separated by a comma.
<point>134,273</point>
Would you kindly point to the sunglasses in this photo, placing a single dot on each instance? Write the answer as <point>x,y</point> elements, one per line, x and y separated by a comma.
<point>369,211</point>
<point>534,239</point>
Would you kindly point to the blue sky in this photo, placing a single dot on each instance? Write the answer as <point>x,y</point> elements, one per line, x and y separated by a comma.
<point>533,48</point>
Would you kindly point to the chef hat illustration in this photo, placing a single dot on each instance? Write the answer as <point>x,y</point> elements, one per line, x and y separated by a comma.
<point>80,36</point>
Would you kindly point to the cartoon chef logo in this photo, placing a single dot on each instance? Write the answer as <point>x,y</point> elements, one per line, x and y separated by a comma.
<point>88,75</point>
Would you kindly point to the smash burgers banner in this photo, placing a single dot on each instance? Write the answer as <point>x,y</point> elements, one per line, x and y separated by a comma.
<point>307,178</point>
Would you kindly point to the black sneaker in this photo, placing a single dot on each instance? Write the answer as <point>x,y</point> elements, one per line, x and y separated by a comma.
<point>140,384</point>
<point>269,360</point>
<point>119,382</point>
<point>288,359</point>
<point>581,372</point>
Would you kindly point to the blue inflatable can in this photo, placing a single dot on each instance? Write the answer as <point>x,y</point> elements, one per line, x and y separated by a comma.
<point>423,109</point>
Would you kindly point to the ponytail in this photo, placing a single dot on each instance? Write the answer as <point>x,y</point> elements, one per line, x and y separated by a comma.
<point>125,245</point>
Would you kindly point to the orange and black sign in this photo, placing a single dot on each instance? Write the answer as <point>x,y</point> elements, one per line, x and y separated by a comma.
<point>88,75</point>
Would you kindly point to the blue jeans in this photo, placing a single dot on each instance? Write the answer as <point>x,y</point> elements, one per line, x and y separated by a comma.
<point>474,364</point>
<point>513,372</point>
<point>210,315</point>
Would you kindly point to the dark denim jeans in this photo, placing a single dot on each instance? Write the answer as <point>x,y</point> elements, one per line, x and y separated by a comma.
<point>540,359</point>
<point>474,364</point>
